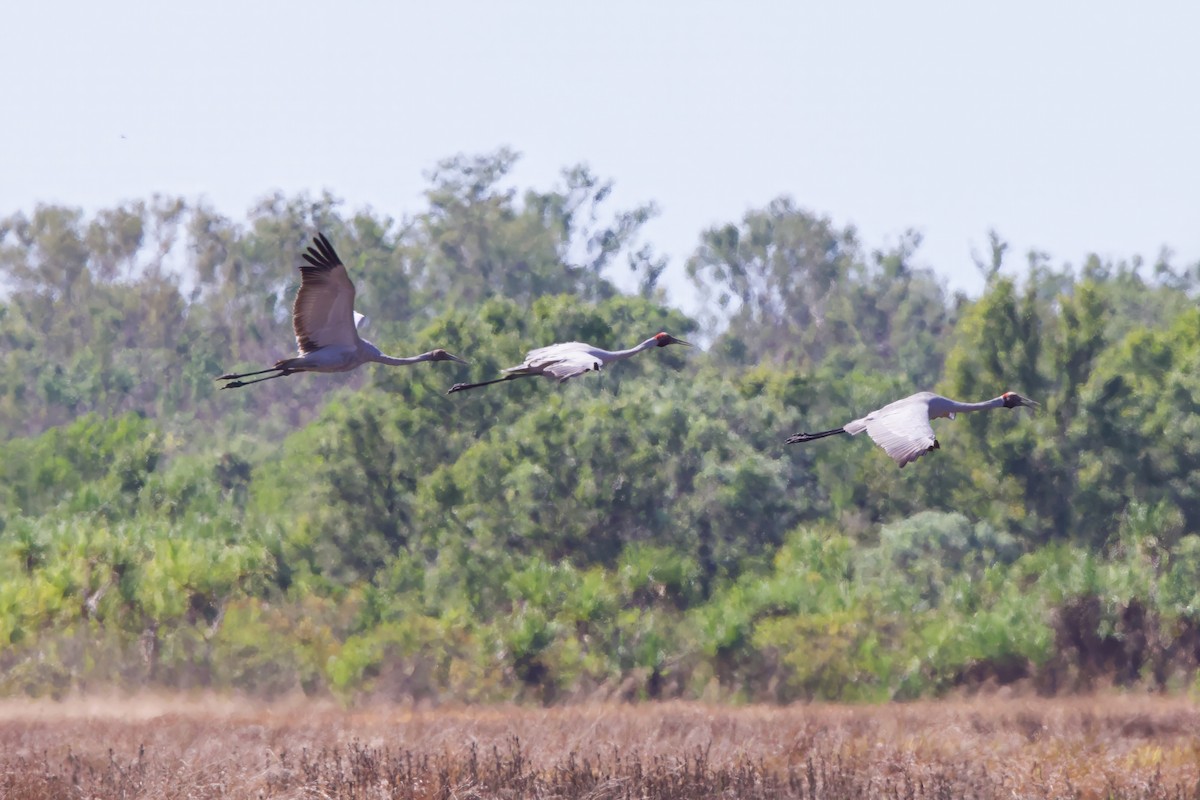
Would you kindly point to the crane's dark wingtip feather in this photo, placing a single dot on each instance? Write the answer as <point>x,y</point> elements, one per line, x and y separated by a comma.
<point>321,254</point>
<point>327,249</point>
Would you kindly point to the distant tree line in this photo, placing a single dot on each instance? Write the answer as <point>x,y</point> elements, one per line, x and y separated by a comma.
<point>639,533</point>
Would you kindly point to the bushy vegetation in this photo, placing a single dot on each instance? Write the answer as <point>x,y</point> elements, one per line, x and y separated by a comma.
<point>641,533</point>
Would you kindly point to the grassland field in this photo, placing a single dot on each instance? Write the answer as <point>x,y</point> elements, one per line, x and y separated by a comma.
<point>1102,746</point>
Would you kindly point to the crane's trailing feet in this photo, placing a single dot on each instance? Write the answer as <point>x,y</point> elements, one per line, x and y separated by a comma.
<point>902,428</point>
<point>795,438</point>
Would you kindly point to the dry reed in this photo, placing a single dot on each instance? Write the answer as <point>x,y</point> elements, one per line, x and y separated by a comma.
<point>144,747</point>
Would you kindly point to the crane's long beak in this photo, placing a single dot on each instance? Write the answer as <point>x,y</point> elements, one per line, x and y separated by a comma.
<point>1025,401</point>
<point>680,341</point>
<point>452,357</point>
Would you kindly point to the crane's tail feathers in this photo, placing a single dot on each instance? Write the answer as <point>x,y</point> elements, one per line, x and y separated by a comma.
<point>808,437</point>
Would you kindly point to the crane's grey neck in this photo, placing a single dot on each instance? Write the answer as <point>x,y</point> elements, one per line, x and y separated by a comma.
<point>401,362</point>
<point>957,406</point>
<point>374,354</point>
<point>617,355</point>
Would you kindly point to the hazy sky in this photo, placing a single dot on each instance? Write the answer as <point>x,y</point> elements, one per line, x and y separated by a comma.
<point>1072,127</point>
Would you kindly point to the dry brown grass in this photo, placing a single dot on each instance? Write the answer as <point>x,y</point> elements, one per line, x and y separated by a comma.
<point>1101,747</point>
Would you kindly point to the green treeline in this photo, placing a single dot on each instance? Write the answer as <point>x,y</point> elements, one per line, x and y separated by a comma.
<point>639,533</point>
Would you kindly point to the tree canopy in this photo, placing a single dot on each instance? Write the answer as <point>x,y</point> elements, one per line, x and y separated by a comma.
<point>643,532</point>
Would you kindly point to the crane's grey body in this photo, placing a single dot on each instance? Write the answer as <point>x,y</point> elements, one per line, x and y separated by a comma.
<point>568,360</point>
<point>902,428</point>
<point>326,324</point>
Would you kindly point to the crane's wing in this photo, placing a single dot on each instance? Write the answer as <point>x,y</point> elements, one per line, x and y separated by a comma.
<point>572,364</point>
<point>902,429</point>
<point>323,314</point>
<point>564,360</point>
<point>554,352</point>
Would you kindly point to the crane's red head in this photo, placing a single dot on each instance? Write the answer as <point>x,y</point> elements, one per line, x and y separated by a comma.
<point>665,339</point>
<point>1012,400</point>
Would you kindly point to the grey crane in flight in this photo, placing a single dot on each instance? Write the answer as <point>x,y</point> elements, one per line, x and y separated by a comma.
<point>902,428</point>
<point>568,360</point>
<point>326,324</point>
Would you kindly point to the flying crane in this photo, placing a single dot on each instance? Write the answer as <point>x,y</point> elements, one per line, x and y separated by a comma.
<point>568,360</point>
<point>326,324</point>
<point>902,428</point>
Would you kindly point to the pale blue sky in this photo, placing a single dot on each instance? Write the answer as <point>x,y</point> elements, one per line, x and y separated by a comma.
<point>1071,127</point>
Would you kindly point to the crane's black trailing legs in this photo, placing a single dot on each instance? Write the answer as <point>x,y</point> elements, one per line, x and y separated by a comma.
<point>808,437</point>
<point>229,376</point>
<point>279,373</point>
<point>462,387</point>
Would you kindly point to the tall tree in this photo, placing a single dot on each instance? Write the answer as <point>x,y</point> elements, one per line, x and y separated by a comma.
<point>790,287</point>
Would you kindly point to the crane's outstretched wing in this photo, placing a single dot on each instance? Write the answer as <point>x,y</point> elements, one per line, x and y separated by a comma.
<point>562,361</point>
<point>553,352</point>
<point>323,314</point>
<point>902,429</point>
<point>572,364</point>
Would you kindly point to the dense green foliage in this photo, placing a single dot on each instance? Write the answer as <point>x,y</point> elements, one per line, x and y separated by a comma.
<point>643,532</point>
